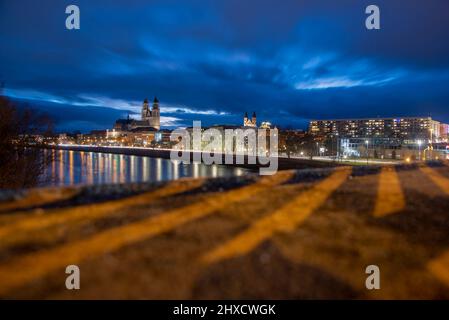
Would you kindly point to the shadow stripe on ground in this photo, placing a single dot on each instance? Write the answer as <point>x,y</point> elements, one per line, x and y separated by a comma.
<point>283,219</point>
<point>24,269</point>
<point>37,197</point>
<point>439,266</point>
<point>92,212</point>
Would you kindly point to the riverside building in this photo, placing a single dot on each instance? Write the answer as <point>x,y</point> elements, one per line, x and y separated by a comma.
<point>400,137</point>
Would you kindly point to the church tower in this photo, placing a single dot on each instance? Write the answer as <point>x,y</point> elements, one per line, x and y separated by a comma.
<point>253,119</point>
<point>150,115</point>
<point>145,110</point>
<point>155,120</point>
<point>245,119</point>
<point>249,123</point>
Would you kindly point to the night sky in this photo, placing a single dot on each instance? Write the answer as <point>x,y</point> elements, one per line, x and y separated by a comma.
<point>288,60</point>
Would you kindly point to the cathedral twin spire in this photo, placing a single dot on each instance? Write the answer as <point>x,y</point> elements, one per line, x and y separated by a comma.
<point>250,122</point>
<point>152,115</point>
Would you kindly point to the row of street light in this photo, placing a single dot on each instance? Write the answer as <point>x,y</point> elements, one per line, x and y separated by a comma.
<point>321,150</point>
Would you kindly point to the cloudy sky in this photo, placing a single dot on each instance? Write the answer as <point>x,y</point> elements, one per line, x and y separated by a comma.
<point>288,60</point>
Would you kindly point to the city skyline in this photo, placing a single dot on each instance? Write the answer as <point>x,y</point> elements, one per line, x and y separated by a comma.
<point>224,158</point>
<point>290,63</point>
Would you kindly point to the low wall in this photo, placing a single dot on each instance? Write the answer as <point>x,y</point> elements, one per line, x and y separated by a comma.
<point>283,163</point>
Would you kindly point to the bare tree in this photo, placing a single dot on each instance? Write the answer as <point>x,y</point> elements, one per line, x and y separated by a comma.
<point>21,156</point>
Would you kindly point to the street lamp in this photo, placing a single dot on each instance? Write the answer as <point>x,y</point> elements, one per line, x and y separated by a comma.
<point>367,154</point>
<point>419,149</point>
<point>322,150</point>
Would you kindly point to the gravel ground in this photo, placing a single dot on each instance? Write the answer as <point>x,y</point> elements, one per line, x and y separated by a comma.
<point>307,234</point>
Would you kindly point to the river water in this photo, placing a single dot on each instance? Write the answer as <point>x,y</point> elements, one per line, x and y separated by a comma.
<point>78,167</point>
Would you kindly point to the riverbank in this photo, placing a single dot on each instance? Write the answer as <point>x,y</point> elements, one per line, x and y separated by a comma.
<point>283,163</point>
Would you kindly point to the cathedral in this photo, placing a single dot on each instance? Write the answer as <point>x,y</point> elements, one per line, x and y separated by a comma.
<point>150,119</point>
<point>151,116</point>
<point>249,122</point>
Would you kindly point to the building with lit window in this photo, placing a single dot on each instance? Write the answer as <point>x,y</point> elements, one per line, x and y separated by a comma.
<point>394,138</point>
<point>408,130</point>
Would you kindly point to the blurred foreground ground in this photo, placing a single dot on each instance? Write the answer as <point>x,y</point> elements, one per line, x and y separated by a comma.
<point>296,235</point>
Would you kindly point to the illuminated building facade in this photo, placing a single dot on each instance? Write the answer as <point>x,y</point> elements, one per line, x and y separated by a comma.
<point>247,122</point>
<point>150,119</point>
<point>407,130</point>
<point>151,116</point>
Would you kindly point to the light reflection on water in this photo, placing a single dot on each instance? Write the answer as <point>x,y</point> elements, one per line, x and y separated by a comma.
<point>79,167</point>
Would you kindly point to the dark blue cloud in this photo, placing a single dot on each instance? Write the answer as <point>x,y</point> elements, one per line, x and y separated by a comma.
<point>290,61</point>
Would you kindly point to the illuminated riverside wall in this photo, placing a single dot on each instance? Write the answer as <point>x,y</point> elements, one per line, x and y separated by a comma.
<point>284,163</point>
